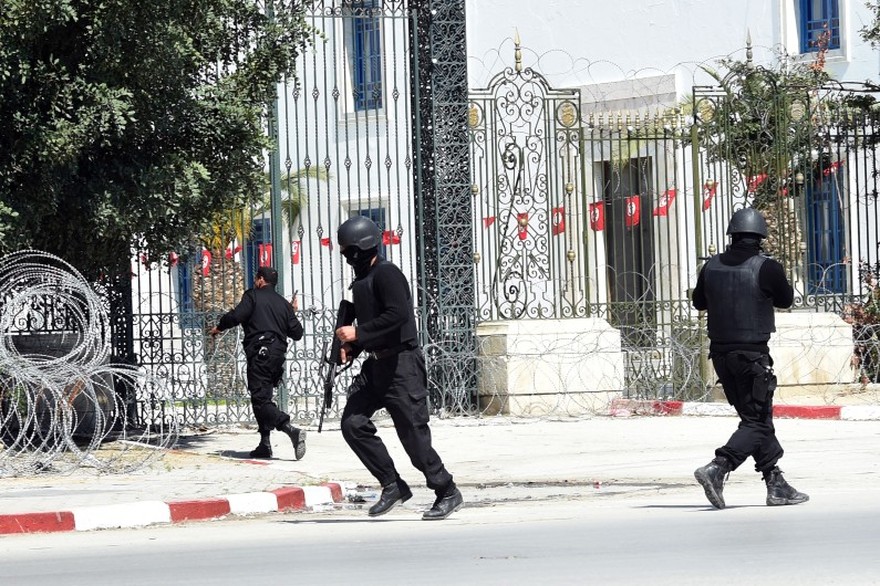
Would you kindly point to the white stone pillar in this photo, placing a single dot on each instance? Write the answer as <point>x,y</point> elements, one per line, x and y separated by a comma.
<point>541,367</point>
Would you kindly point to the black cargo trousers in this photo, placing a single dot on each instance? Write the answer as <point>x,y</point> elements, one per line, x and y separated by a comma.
<point>265,366</point>
<point>749,384</point>
<point>398,384</point>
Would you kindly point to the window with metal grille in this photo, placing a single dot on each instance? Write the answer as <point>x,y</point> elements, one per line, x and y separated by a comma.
<point>825,253</point>
<point>365,46</point>
<point>185,302</point>
<point>817,18</point>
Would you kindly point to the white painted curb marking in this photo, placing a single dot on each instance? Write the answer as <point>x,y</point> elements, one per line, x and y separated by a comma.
<point>138,514</point>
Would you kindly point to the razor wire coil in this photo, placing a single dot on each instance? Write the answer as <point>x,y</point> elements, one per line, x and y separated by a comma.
<point>59,405</point>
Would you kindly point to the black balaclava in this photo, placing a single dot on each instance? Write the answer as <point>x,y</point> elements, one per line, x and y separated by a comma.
<point>746,240</point>
<point>360,260</point>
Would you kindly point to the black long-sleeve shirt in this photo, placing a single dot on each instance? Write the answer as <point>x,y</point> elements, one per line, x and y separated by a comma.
<point>263,311</point>
<point>771,280</point>
<point>384,308</point>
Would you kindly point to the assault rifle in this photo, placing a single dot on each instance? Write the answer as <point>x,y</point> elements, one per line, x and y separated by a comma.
<point>344,317</point>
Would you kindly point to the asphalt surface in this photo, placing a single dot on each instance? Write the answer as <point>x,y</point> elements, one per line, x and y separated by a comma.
<point>515,458</point>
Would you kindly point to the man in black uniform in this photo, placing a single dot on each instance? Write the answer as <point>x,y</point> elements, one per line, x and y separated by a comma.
<point>739,289</point>
<point>393,377</point>
<point>268,320</point>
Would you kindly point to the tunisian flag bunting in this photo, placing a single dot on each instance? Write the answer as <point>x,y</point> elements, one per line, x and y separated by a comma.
<point>264,254</point>
<point>755,182</point>
<point>488,221</point>
<point>327,242</point>
<point>664,202</point>
<point>232,250</point>
<point>832,168</point>
<point>522,225</point>
<point>557,221</point>
<point>709,189</point>
<point>390,237</point>
<point>633,211</point>
<point>206,262</point>
<point>597,216</point>
<point>294,251</point>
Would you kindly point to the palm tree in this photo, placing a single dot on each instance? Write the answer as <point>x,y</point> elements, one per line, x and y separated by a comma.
<point>220,288</point>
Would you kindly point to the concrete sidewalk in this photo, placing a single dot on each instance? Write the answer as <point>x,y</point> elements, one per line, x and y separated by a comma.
<point>209,474</point>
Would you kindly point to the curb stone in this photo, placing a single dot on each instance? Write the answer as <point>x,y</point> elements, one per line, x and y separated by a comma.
<point>144,513</point>
<point>630,407</point>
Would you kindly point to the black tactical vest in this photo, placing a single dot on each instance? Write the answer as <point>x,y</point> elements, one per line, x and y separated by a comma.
<point>738,311</point>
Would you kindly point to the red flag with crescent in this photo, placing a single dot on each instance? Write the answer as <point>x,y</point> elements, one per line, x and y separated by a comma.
<point>522,225</point>
<point>709,189</point>
<point>557,221</point>
<point>664,202</point>
<point>597,216</point>
<point>264,253</point>
<point>206,262</point>
<point>633,211</point>
<point>294,251</point>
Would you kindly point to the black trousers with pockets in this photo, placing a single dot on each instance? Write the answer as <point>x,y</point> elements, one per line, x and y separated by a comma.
<point>749,383</point>
<point>398,384</point>
<point>264,372</point>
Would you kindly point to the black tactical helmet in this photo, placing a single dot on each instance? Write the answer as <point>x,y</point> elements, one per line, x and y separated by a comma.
<point>748,221</point>
<point>359,231</point>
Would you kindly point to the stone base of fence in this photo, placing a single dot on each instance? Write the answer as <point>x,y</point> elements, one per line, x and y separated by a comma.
<point>537,367</point>
<point>811,351</point>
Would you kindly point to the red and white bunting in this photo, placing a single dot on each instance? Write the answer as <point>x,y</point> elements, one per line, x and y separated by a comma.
<point>522,225</point>
<point>557,221</point>
<point>633,214</point>
<point>709,190</point>
<point>597,216</point>
<point>295,247</point>
<point>755,182</point>
<point>233,251</point>
<point>206,262</point>
<point>664,202</point>
<point>264,254</point>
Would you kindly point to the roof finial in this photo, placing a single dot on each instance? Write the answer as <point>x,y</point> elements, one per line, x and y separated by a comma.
<point>517,54</point>
<point>748,47</point>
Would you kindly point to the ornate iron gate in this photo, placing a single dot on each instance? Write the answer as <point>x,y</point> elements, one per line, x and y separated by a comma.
<point>568,222</point>
<point>527,186</point>
<point>611,215</point>
<point>374,124</point>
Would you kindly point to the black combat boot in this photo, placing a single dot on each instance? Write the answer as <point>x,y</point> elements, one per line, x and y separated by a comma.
<point>779,492</point>
<point>449,501</point>
<point>297,438</point>
<point>264,449</point>
<point>392,494</point>
<point>712,477</point>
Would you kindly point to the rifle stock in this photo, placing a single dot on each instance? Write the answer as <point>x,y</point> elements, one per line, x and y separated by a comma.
<point>344,317</point>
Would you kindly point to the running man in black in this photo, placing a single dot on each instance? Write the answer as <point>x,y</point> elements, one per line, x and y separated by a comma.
<point>393,377</point>
<point>268,320</point>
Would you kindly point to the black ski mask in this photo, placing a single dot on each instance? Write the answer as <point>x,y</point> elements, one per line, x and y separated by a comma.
<point>359,259</point>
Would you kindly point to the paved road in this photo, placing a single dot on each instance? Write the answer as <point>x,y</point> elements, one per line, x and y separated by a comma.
<point>556,535</point>
<point>520,454</point>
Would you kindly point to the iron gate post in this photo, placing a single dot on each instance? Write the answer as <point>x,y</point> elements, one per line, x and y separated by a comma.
<point>275,201</point>
<point>443,194</point>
